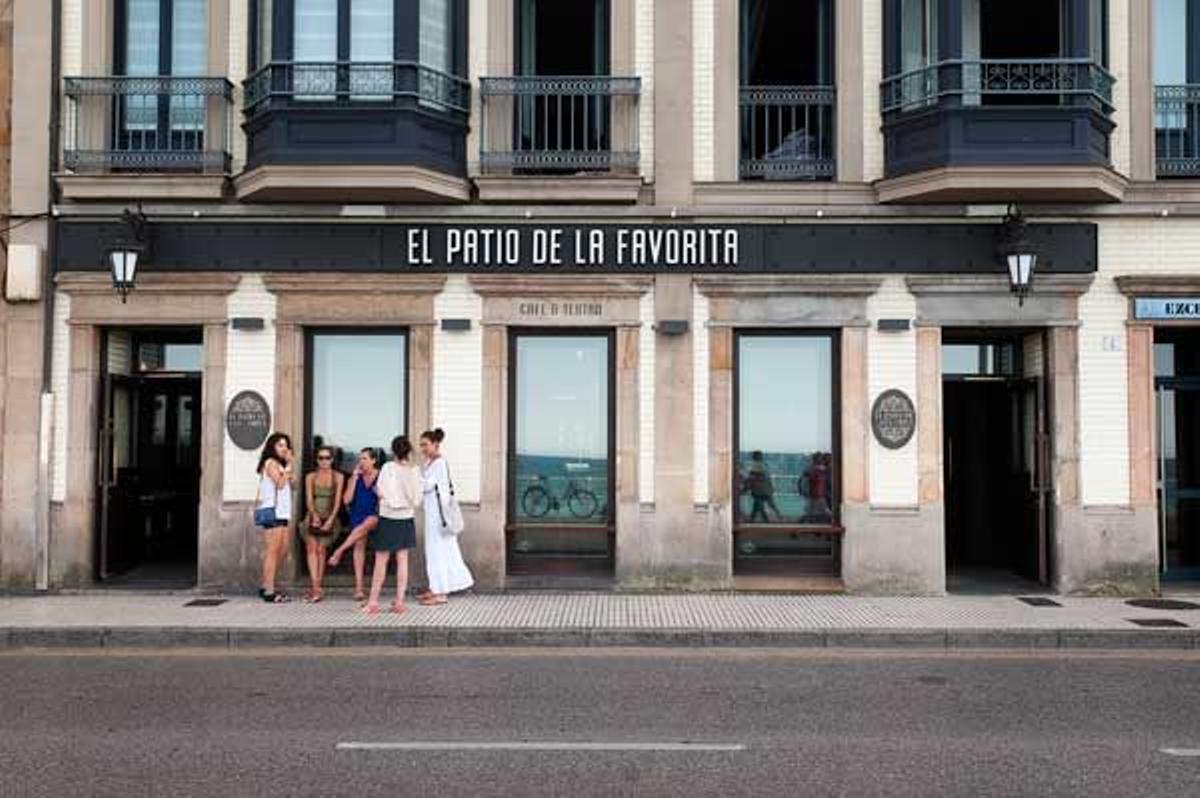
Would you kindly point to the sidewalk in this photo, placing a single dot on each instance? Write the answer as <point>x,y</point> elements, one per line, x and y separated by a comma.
<point>597,619</point>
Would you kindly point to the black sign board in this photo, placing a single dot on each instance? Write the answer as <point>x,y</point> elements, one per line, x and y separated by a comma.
<point>636,248</point>
<point>893,419</point>
<point>248,420</point>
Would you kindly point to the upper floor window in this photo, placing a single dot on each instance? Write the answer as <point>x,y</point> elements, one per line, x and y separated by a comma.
<point>1174,64</point>
<point>161,37</point>
<point>563,37</point>
<point>1176,94</point>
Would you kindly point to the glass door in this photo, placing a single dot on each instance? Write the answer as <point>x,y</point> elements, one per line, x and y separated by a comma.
<point>561,464</point>
<point>1178,404</point>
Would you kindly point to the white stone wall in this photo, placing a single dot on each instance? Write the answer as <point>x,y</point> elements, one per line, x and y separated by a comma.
<point>703,89</point>
<point>60,371</point>
<point>250,359</point>
<point>892,363</point>
<point>458,385</point>
<point>72,37</point>
<point>644,67</point>
<point>239,43</point>
<point>1118,65</point>
<point>477,67</point>
<point>646,362</point>
<point>872,54</point>
<point>700,387</point>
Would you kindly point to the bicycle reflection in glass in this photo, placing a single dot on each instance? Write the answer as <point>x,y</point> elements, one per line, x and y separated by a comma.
<point>537,501</point>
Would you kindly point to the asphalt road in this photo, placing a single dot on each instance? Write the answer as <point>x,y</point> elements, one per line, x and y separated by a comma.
<point>563,722</point>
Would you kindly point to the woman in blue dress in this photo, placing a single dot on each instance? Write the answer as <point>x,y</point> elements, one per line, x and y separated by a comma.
<point>363,505</point>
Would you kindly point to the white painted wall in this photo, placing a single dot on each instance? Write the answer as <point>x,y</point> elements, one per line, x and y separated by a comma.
<point>892,363</point>
<point>703,89</point>
<point>644,66</point>
<point>872,53</point>
<point>700,386</point>
<point>72,37</point>
<point>60,371</point>
<point>1118,65</point>
<point>458,385</point>
<point>250,359</point>
<point>239,43</point>
<point>477,67</point>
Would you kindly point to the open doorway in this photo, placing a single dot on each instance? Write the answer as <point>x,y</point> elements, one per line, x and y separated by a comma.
<point>148,480</point>
<point>996,456</point>
<point>1177,407</point>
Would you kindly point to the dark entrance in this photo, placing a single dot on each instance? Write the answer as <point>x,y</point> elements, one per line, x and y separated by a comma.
<point>996,447</point>
<point>149,457</point>
<point>1177,390</point>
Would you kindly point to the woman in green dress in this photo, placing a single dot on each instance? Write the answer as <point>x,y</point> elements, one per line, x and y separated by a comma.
<point>323,526</point>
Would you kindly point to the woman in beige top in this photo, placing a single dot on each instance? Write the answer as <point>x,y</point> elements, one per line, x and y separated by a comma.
<point>400,493</point>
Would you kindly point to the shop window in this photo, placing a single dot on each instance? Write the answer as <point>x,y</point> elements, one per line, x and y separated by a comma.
<point>786,471</point>
<point>980,360</point>
<point>561,459</point>
<point>358,390</point>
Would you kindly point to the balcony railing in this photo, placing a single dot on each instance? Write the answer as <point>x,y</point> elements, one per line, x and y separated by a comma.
<point>1177,130</point>
<point>1060,81</point>
<point>367,84</point>
<point>147,124</point>
<point>560,125</point>
<point>787,132</point>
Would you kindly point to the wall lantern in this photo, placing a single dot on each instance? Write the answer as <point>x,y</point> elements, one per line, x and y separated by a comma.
<point>1017,252</point>
<point>128,251</point>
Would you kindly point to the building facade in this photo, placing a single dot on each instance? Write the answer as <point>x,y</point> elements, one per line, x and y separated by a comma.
<point>705,293</point>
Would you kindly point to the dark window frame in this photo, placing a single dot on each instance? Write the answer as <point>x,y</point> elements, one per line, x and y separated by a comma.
<point>834,335</point>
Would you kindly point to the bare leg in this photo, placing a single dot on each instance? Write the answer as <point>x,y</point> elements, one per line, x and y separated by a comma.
<point>377,580</point>
<point>401,580</point>
<point>321,553</point>
<point>270,557</point>
<point>360,565</point>
<point>313,556</point>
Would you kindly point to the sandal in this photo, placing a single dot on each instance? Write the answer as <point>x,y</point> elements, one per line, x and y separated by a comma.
<point>273,598</point>
<point>433,602</point>
<point>334,559</point>
<point>398,607</point>
<point>371,609</point>
<point>359,596</point>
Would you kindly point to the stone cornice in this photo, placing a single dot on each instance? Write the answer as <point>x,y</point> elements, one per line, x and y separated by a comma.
<point>337,283</point>
<point>757,285</point>
<point>1158,284</point>
<point>959,284</point>
<point>504,285</point>
<point>151,282</point>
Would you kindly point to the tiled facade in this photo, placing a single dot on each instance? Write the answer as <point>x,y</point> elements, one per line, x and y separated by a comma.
<point>673,411</point>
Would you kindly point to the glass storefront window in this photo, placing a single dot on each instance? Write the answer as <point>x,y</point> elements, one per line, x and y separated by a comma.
<point>786,465</point>
<point>979,360</point>
<point>358,391</point>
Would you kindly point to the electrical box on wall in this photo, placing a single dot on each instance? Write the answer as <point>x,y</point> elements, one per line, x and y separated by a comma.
<point>23,275</point>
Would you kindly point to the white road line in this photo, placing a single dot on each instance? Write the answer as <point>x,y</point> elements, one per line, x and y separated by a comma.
<point>1190,752</point>
<point>680,747</point>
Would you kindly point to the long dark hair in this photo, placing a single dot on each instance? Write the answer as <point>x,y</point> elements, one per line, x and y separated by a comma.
<point>375,454</point>
<point>434,435</point>
<point>401,447</point>
<point>268,452</point>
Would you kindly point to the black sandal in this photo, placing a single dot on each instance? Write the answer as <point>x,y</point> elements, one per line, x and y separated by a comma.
<point>273,598</point>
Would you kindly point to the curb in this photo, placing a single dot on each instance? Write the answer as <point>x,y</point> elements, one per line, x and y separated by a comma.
<point>491,637</point>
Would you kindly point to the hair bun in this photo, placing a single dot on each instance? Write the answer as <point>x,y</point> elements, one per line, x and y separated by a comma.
<point>439,435</point>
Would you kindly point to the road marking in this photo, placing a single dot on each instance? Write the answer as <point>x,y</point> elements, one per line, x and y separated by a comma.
<point>1189,752</point>
<point>542,746</point>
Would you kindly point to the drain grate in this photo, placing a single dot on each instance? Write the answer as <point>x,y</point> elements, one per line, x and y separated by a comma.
<point>1163,604</point>
<point>1159,623</point>
<point>206,602</point>
<point>1038,601</point>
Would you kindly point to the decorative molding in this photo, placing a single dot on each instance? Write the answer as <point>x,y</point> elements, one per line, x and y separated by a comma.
<point>334,283</point>
<point>775,285</point>
<point>1065,285</point>
<point>575,189</point>
<point>117,186</point>
<point>494,285</point>
<point>148,282</point>
<point>1157,284</point>
<point>1006,184</point>
<point>350,183</point>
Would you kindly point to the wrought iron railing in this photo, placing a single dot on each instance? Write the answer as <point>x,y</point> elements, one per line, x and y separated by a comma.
<point>147,124</point>
<point>787,132</point>
<point>1057,81</point>
<point>367,83</point>
<point>560,125</point>
<point>1177,130</point>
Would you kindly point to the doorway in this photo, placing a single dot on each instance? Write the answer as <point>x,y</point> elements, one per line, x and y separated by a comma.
<point>148,479</point>
<point>996,460</point>
<point>1177,394</point>
<point>561,464</point>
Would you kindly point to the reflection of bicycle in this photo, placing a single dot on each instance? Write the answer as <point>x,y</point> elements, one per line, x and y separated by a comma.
<point>537,502</point>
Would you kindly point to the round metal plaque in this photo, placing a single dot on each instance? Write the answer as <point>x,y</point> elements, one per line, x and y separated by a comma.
<point>248,420</point>
<point>893,419</point>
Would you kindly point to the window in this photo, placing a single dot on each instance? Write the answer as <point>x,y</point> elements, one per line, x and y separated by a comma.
<point>1171,42</point>
<point>918,34</point>
<point>437,35</point>
<point>263,31</point>
<point>979,360</point>
<point>358,390</point>
<point>786,462</point>
<point>561,472</point>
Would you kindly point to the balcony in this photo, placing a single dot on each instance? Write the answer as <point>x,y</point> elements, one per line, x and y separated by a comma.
<point>787,132</point>
<point>371,132</point>
<point>172,133</point>
<point>1177,131</point>
<point>560,139</point>
<point>999,130</point>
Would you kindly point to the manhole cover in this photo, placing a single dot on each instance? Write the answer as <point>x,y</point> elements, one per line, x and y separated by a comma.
<point>1039,601</point>
<point>205,602</point>
<point>1163,604</point>
<point>1160,623</point>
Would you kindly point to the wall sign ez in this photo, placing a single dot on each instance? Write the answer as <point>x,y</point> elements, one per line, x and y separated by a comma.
<point>1167,308</point>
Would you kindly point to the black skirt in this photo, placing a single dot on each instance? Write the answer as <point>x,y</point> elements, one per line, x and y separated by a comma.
<point>394,534</point>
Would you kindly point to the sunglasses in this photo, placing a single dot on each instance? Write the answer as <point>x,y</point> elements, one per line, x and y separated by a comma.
<point>324,458</point>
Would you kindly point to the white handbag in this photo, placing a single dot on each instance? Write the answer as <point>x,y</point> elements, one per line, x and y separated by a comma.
<point>452,517</point>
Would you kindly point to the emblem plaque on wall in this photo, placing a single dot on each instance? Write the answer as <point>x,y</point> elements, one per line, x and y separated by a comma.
<point>893,419</point>
<point>248,420</point>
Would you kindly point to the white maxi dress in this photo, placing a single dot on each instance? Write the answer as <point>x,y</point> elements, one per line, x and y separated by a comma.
<point>443,560</point>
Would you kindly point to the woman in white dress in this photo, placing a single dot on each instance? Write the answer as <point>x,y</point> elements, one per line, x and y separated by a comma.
<point>443,560</point>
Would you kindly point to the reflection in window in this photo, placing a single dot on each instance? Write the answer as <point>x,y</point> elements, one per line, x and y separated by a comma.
<point>785,463</point>
<point>562,432</point>
<point>979,360</point>
<point>358,392</point>
<point>169,357</point>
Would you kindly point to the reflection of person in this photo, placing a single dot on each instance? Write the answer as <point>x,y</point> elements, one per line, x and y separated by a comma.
<point>363,505</point>
<point>443,560</point>
<point>323,494</point>
<point>761,489</point>
<point>817,477</point>
<point>275,494</point>
<point>399,490</point>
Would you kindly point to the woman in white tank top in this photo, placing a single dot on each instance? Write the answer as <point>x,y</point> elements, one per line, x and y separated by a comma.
<point>273,510</point>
